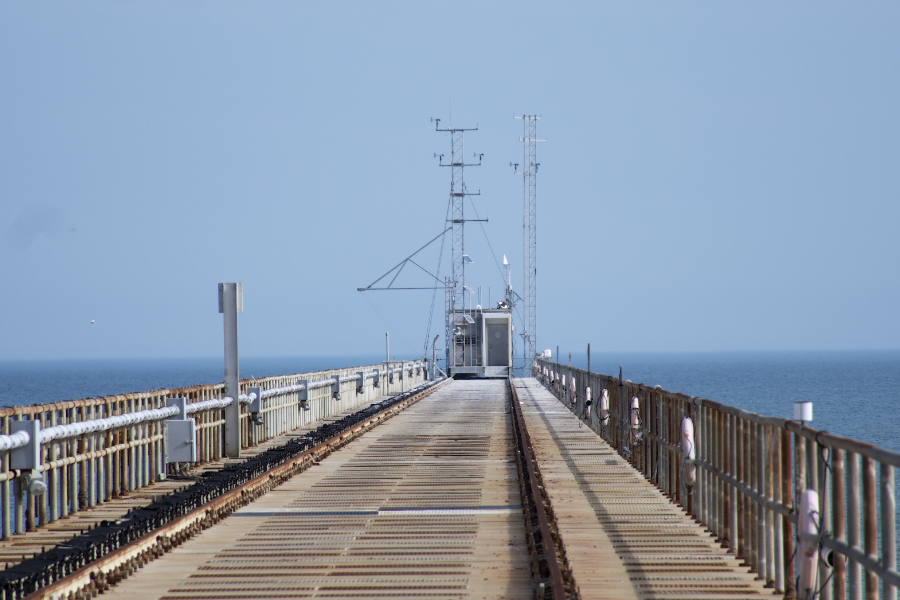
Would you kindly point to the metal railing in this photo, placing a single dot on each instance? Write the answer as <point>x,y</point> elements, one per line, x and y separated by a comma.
<point>747,480</point>
<point>97,449</point>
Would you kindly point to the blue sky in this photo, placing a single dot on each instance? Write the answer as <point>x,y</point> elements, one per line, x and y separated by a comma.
<point>717,176</point>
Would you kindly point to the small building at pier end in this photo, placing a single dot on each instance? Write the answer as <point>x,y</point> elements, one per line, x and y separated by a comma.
<point>481,342</point>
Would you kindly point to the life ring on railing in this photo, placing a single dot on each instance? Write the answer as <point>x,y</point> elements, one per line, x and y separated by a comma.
<point>587,403</point>
<point>808,531</point>
<point>688,450</point>
<point>604,407</point>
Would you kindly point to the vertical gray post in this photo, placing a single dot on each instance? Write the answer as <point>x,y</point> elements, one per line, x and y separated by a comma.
<point>434,358</point>
<point>231,302</point>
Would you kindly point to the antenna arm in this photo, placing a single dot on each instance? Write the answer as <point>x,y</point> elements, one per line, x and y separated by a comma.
<point>402,262</point>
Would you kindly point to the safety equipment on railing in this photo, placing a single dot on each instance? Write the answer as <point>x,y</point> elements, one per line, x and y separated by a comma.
<point>34,483</point>
<point>808,532</point>
<point>604,407</point>
<point>689,451</point>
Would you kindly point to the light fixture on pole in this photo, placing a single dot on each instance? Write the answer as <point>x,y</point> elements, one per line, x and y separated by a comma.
<point>803,412</point>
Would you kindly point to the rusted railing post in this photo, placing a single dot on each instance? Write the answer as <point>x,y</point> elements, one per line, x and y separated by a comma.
<point>888,528</point>
<point>854,569</point>
<point>741,462</point>
<point>837,526</point>
<point>787,494</point>
<point>870,524</point>
<point>825,574</point>
<point>734,453</point>
<point>772,564</point>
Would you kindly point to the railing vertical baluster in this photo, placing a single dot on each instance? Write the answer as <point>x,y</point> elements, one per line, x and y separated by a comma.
<point>714,447</point>
<point>787,496</point>
<point>888,528</point>
<point>721,457</point>
<point>733,455</point>
<point>42,500</point>
<point>727,452</point>
<point>752,506</point>
<point>701,486</point>
<point>108,460</point>
<point>741,462</point>
<point>762,545</point>
<point>837,526</point>
<point>776,495</point>
<point>707,444</point>
<point>825,575</point>
<point>63,470</point>
<point>91,463</point>
<point>132,455</point>
<point>72,445</point>
<point>749,469</point>
<point>812,470</point>
<point>19,494</point>
<point>771,544</point>
<point>870,523</point>
<point>53,475</point>
<point>5,487</point>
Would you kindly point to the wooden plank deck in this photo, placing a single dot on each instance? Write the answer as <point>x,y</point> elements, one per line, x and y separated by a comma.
<point>425,505</point>
<point>623,537</point>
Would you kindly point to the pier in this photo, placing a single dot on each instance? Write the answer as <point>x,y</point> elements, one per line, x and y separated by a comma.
<point>441,488</point>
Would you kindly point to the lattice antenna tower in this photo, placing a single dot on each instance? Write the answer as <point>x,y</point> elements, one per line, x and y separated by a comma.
<point>458,193</point>
<point>529,280</point>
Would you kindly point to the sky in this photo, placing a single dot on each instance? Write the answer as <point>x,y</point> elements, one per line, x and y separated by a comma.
<point>717,176</point>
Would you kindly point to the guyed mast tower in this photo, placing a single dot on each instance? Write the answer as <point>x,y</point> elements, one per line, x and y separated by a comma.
<point>529,255</point>
<point>456,292</point>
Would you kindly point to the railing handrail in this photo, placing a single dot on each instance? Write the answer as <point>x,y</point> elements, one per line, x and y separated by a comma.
<point>745,459</point>
<point>824,438</point>
<point>186,391</point>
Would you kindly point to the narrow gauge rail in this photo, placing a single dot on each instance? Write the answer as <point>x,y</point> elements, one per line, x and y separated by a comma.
<point>91,561</point>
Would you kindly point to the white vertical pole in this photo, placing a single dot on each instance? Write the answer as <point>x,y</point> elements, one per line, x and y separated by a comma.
<point>230,303</point>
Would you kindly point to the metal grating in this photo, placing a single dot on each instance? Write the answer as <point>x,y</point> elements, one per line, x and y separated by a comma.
<point>425,506</point>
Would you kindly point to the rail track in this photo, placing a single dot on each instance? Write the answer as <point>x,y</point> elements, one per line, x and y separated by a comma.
<point>99,558</point>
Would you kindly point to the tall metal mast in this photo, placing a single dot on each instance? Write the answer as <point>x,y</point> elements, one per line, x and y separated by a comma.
<point>458,223</point>
<point>529,281</point>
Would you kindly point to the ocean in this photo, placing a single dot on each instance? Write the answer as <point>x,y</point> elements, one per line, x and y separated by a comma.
<point>27,382</point>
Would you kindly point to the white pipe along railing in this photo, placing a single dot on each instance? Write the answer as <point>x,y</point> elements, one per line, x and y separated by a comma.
<point>87,452</point>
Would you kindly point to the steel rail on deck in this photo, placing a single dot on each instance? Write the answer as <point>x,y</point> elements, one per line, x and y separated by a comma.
<point>115,566</point>
<point>533,499</point>
<point>96,450</point>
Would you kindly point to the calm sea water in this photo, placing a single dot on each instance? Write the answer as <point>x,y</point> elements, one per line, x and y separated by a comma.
<point>38,382</point>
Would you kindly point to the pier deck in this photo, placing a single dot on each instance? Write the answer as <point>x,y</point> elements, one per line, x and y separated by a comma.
<point>18,547</point>
<point>623,537</point>
<point>427,505</point>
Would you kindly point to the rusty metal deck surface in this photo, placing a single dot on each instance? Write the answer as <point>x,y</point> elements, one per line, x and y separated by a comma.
<point>19,547</point>
<point>623,537</point>
<point>424,506</point>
